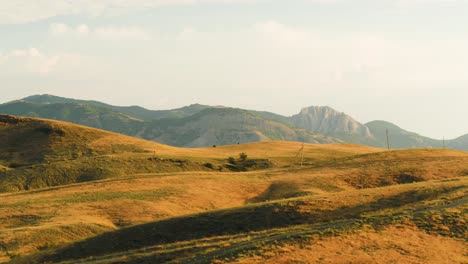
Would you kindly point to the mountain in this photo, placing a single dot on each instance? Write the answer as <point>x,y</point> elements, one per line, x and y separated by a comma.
<point>191,126</point>
<point>201,125</point>
<point>398,137</point>
<point>90,114</point>
<point>327,121</point>
<point>134,111</point>
<point>460,143</point>
<point>225,126</point>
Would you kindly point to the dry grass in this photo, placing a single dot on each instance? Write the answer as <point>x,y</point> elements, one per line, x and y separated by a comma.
<point>393,244</point>
<point>262,229</point>
<point>143,182</point>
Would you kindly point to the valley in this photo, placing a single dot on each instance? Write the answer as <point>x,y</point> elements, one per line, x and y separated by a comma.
<point>77,194</point>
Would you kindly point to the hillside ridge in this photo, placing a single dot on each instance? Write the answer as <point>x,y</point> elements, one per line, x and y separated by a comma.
<point>314,124</point>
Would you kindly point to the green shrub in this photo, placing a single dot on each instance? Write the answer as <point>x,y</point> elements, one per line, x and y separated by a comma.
<point>242,156</point>
<point>232,160</point>
<point>209,165</point>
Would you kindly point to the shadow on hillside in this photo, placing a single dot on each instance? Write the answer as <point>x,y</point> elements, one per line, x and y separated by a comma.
<point>279,190</point>
<point>226,222</point>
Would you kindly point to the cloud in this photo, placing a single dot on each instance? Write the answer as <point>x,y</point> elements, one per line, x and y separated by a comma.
<point>58,28</point>
<point>122,32</point>
<point>112,32</point>
<point>27,60</point>
<point>366,59</point>
<point>82,29</point>
<point>282,33</point>
<point>33,62</point>
<point>25,11</point>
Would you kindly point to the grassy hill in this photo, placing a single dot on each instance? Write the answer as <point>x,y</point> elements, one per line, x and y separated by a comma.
<point>151,203</point>
<point>268,228</point>
<point>37,153</point>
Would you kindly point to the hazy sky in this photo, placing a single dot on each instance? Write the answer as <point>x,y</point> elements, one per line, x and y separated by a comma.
<point>404,61</point>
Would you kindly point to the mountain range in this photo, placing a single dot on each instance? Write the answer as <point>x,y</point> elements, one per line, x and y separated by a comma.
<point>202,125</point>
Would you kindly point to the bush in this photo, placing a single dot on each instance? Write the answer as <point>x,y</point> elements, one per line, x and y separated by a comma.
<point>242,156</point>
<point>209,165</point>
<point>231,160</point>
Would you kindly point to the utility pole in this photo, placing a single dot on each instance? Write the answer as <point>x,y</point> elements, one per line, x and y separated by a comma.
<point>388,140</point>
<point>301,151</point>
<point>302,155</point>
<point>443,142</point>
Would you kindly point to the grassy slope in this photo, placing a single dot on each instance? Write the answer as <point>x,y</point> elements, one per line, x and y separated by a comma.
<point>352,184</point>
<point>41,153</point>
<point>256,229</point>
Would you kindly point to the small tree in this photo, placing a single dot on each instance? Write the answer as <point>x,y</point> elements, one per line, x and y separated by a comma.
<point>209,165</point>
<point>231,160</point>
<point>242,156</point>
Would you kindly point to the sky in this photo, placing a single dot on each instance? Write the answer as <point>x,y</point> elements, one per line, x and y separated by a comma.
<point>403,61</point>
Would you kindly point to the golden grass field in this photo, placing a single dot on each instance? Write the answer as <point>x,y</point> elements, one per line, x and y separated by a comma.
<point>75,194</point>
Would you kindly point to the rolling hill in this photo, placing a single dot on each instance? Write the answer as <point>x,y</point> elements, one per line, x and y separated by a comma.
<point>36,153</point>
<point>202,126</point>
<point>144,202</point>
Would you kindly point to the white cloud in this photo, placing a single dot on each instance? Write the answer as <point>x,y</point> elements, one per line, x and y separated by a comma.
<point>113,32</point>
<point>27,60</point>
<point>122,32</point>
<point>282,33</point>
<point>32,52</point>
<point>33,62</point>
<point>82,29</point>
<point>364,59</point>
<point>58,28</point>
<point>25,11</point>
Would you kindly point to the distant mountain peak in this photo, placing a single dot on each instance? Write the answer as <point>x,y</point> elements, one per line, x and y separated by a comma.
<point>328,121</point>
<point>318,108</point>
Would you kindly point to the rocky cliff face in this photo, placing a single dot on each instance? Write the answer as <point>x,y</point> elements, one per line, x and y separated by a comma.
<point>327,121</point>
